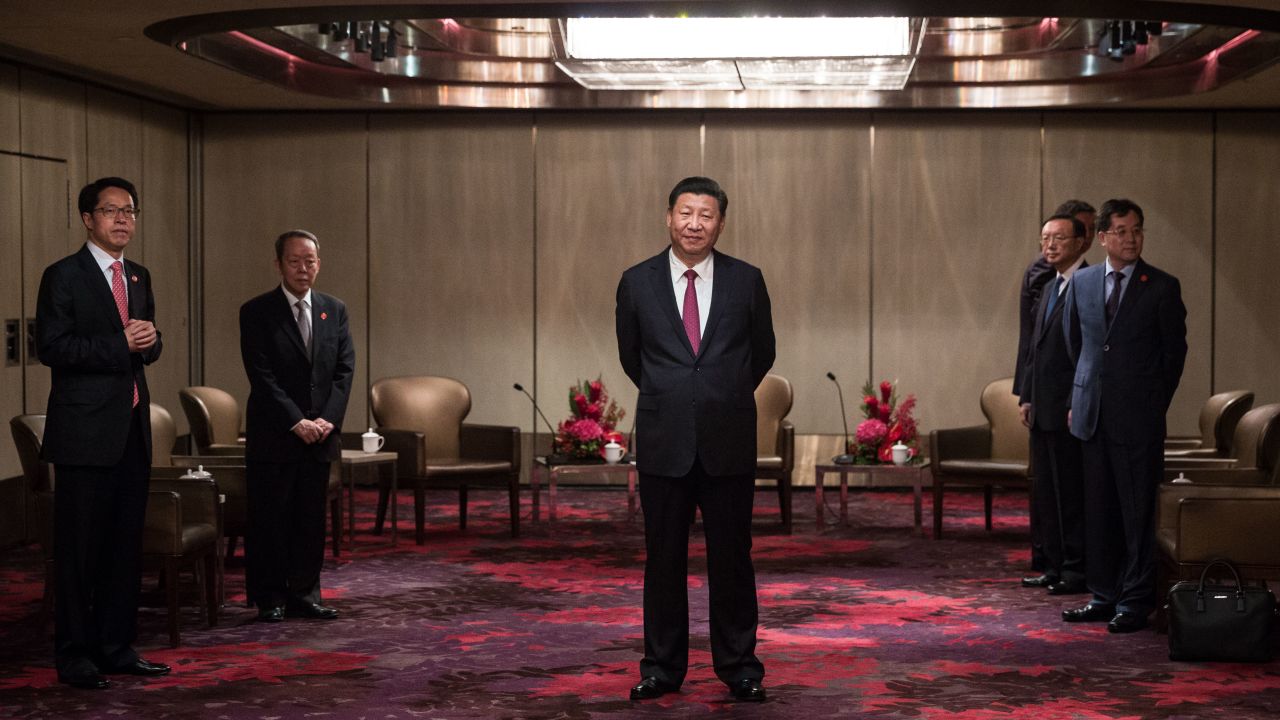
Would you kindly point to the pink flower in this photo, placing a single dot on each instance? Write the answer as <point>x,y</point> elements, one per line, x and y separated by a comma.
<point>870,432</point>
<point>886,391</point>
<point>593,411</point>
<point>584,430</point>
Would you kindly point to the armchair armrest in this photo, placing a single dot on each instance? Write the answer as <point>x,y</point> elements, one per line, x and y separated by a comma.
<point>233,450</point>
<point>1198,463</point>
<point>1245,529</point>
<point>787,445</point>
<point>967,443</point>
<point>162,526</point>
<point>1220,476</point>
<point>1185,442</point>
<point>1169,495</point>
<point>410,445</point>
<point>198,498</point>
<point>1189,453</point>
<point>491,442</point>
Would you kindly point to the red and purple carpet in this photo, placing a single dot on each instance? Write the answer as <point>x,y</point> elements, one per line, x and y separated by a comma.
<point>871,620</point>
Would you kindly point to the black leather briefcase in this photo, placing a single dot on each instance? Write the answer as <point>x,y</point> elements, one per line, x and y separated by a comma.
<point>1217,622</point>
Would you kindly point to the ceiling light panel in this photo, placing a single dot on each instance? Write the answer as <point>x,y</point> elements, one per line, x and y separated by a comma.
<point>727,38</point>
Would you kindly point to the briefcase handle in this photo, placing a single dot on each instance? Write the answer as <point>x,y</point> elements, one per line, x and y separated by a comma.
<point>1205,574</point>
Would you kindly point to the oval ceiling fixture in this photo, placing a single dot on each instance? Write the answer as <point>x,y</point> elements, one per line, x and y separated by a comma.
<point>729,62</point>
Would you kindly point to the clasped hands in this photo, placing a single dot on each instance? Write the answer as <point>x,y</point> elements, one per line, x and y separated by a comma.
<point>313,431</point>
<point>139,334</point>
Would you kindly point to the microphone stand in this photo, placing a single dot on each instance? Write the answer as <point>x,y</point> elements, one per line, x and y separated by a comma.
<point>843,458</point>
<point>551,457</point>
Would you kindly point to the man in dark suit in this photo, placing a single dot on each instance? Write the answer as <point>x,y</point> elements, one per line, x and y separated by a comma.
<point>695,334</point>
<point>1057,494</point>
<point>1126,334</point>
<point>1038,274</point>
<point>298,355</point>
<point>95,329</point>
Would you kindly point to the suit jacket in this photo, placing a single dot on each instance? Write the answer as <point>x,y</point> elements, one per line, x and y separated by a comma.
<point>1048,371</point>
<point>1125,374</point>
<point>285,384</point>
<point>1036,276</point>
<point>695,406</point>
<point>80,337</point>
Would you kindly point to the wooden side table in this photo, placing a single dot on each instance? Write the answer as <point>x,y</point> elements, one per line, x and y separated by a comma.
<point>351,459</point>
<point>541,467</point>
<point>904,476</point>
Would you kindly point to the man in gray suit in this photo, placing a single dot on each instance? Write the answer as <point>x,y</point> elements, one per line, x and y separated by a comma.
<point>1127,337</point>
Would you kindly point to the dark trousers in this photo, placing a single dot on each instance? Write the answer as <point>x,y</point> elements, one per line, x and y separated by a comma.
<point>98,516</point>
<point>284,542</point>
<point>1057,502</point>
<point>668,505</point>
<point>1121,479</point>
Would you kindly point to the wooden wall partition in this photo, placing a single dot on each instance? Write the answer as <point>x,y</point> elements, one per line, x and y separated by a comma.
<point>1246,340</point>
<point>451,255</point>
<point>265,174</point>
<point>955,203</point>
<point>602,185</point>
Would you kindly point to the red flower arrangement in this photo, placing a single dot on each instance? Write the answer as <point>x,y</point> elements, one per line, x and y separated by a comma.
<point>591,422</point>
<point>887,422</point>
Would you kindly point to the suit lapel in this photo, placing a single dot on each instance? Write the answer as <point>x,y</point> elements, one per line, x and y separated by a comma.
<point>1055,318</point>
<point>665,292</point>
<point>136,293</point>
<point>100,286</point>
<point>721,290</point>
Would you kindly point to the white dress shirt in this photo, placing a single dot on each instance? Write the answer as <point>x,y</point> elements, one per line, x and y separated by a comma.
<point>105,261</point>
<point>701,286</point>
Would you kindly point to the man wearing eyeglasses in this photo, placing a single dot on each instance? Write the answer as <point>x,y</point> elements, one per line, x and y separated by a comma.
<point>1037,275</point>
<point>95,330</point>
<point>1056,495</point>
<point>1126,333</point>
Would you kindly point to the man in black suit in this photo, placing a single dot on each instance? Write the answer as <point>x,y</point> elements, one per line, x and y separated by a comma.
<point>695,334</point>
<point>1057,494</point>
<point>298,355</point>
<point>95,330</point>
<point>1126,334</point>
<point>1037,275</point>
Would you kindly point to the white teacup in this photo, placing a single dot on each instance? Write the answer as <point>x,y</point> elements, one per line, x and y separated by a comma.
<point>901,454</point>
<point>612,453</point>
<point>372,442</point>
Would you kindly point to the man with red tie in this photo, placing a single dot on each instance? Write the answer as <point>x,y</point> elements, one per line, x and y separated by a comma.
<point>695,334</point>
<point>95,330</point>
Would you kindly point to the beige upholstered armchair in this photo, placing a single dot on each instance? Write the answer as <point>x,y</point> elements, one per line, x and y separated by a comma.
<point>986,456</point>
<point>1231,512</point>
<point>1218,418</point>
<point>214,416</point>
<point>180,526</point>
<point>421,417</point>
<point>776,439</point>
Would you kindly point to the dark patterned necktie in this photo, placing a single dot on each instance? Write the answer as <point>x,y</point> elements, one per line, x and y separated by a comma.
<point>1052,300</point>
<point>691,325</point>
<point>1113,302</point>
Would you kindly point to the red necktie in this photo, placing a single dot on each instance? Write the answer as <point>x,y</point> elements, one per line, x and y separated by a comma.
<point>122,305</point>
<point>691,324</point>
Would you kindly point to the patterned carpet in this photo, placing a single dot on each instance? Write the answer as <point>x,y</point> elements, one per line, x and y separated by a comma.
<point>871,620</point>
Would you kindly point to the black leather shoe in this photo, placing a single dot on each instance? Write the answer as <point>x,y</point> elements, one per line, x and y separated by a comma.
<point>85,680</point>
<point>651,688</point>
<point>1038,581</point>
<point>1089,613</point>
<point>1068,587</point>
<point>140,667</point>
<point>314,611</point>
<point>271,614</point>
<point>1127,622</point>
<point>749,690</point>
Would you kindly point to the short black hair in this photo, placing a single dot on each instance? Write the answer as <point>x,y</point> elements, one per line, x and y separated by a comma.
<point>1077,227</point>
<point>1120,207</point>
<point>699,186</point>
<point>296,233</point>
<point>1072,207</point>
<point>89,193</point>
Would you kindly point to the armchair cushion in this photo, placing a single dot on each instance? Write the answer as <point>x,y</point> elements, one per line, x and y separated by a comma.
<point>1011,469</point>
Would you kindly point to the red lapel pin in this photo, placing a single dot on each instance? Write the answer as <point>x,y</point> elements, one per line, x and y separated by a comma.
<point>133,278</point>
<point>324,316</point>
<point>1142,278</point>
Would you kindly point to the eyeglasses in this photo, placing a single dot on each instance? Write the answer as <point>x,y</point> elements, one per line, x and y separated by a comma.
<point>111,212</point>
<point>1059,240</point>
<point>1123,234</point>
<point>308,263</point>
